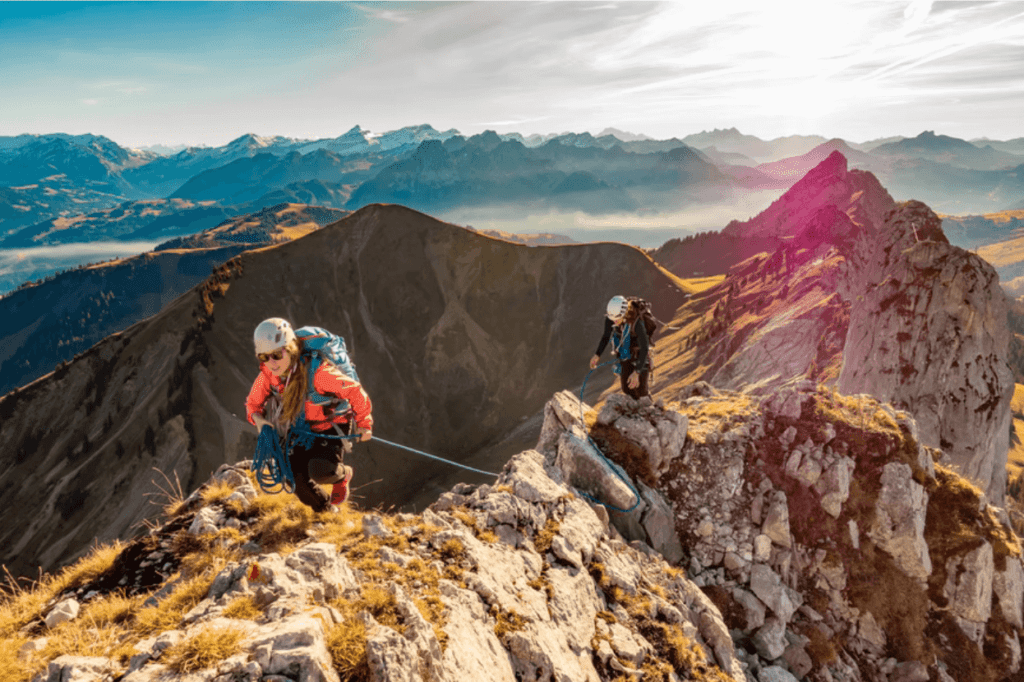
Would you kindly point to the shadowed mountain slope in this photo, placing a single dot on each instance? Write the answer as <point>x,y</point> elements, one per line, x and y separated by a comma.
<point>457,338</point>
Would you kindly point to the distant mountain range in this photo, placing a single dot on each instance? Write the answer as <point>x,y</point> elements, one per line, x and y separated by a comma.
<point>60,188</point>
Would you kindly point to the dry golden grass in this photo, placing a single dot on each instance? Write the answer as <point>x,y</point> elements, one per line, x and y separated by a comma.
<point>204,649</point>
<point>114,609</point>
<point>341,528</point>
<point>282,522</point>
<point>718,409</point>
<point>20,605</point>
<point>12,667</point>
<point>452,550</point>
<point>167,614</point>
<point>506,622</point>
<point>861,412</point>
<point>242,608</point>
<point>1015,457</point>
<point>216,491</point>
<point>699,284</point>
<point>346,642</point>
<point>209,555</point>
<point>171,494</point>
<point>542,541</point>
<point>84,637</point>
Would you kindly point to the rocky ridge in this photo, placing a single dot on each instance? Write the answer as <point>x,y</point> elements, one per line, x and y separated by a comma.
<point>867,295</point>
<point>813,538</point>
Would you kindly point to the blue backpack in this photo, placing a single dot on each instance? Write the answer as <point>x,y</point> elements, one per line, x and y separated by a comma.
<point>319,345</point>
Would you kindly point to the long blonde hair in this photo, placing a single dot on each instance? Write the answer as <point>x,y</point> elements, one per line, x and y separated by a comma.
<point>295,383</point>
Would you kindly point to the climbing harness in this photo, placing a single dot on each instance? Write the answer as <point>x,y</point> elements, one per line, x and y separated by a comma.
<point>611,465</point>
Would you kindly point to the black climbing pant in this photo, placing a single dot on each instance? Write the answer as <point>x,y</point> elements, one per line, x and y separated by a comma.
<point>321,463</point>
<point>627,371</point>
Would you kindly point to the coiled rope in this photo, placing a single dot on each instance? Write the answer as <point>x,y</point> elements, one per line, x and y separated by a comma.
<point>270,463</point>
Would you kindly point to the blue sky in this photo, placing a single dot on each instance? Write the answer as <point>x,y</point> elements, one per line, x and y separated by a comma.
<point>205,73</point>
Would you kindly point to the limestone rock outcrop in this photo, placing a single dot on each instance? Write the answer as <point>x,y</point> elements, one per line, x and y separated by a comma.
<point>928,333</point>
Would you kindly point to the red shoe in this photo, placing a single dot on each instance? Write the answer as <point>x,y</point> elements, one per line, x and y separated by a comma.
<point>340,492</point>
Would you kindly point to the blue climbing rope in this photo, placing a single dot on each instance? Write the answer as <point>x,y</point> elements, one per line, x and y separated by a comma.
<point>304,435</point>
<point>439,459</point>
<point>273,471</point>
<point>611,465</point>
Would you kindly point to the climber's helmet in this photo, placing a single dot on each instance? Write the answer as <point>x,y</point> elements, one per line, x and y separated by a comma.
<point>270,335</point>
<point>618,306</point>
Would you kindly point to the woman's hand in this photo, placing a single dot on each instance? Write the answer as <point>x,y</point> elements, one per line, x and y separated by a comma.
<point>364,434</point>
<point>633,381</point>
<point>593,361</point>
<point>261,421</point>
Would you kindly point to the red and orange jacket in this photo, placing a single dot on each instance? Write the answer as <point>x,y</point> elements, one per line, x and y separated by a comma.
<point>328,381</point>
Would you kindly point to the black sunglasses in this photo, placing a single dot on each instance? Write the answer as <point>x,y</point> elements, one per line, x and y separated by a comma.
<point>276,355</point>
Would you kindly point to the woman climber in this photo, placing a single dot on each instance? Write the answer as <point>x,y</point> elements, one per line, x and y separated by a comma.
<point>314,404</point>
<point>630,343</point>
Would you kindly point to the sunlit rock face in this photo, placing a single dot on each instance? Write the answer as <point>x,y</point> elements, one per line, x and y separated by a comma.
<point>928,333</point>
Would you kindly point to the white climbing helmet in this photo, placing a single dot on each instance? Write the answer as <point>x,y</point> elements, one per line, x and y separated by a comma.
<point>272,334</point>
<point>618,306</point>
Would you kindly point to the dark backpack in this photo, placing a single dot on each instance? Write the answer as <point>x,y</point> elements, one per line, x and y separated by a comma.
<point>646,314</point>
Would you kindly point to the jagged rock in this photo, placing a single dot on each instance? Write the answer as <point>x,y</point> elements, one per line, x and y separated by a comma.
<point>642,433</point>
<point>767,585</point>
<point>925,317</point>
<point>834,485</point>
<point>900,518</point>
<point>969,584</point>
<point>78,669</point>
<point>294,646</point>
<point>31,647</point>
<point>753,608</point>
<point>870,633</point>
<point>774,673</point>
<point>798,659</point>
<point>315,571</point>
<point>412,656</point>
<point>65,610</point>
<point>560,413</point>
<point>659,524</point>
<point>762,548</point>
<point>583,467</point>
<point>473,652</point>
<point>207,520</point>
<point>151,648</point>
<point>529,481</point>
<point>1008,586</point>
<point>909,671</point>
<point>776,522</point>
<point>671,436</point>
<point>770,639</point>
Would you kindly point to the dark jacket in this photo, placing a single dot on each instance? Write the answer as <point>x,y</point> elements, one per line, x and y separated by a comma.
<point>639,347</point>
